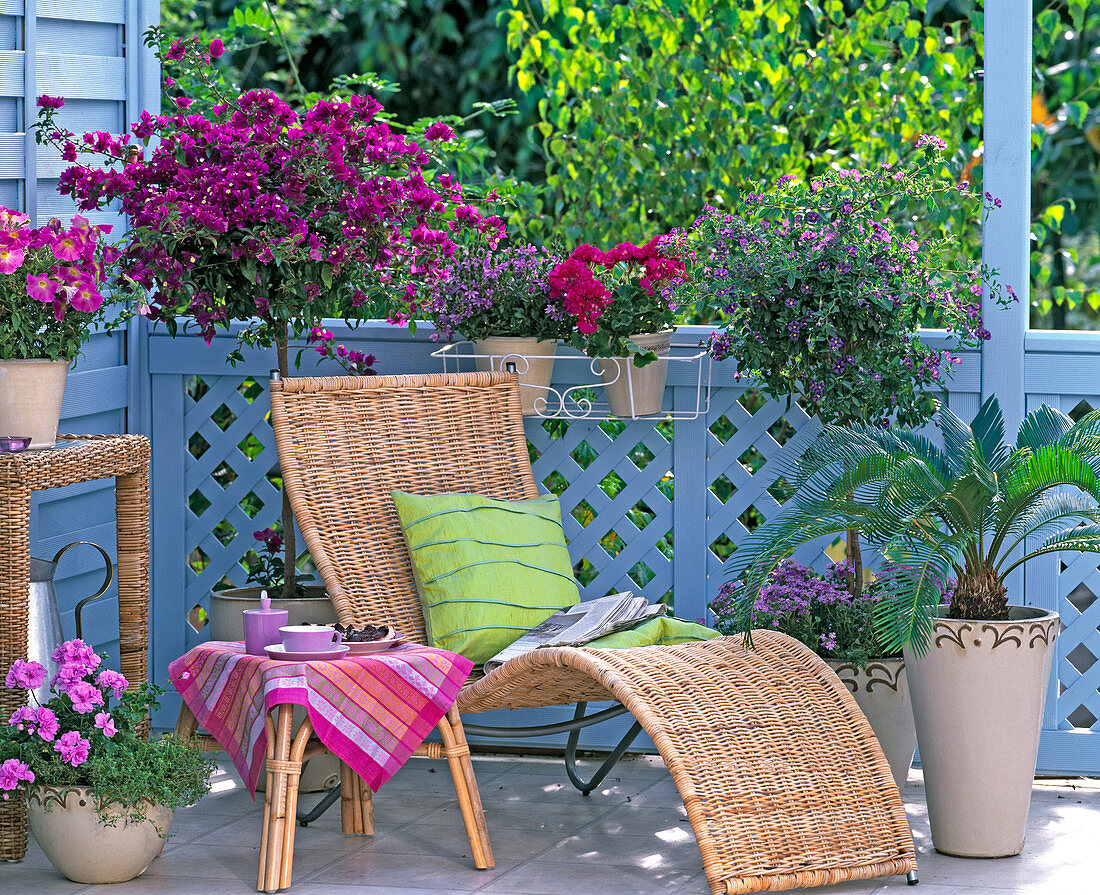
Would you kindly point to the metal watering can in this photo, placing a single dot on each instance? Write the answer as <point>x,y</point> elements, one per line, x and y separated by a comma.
<point>44,617</point>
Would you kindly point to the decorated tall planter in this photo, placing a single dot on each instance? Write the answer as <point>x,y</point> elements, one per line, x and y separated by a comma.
<point>81,846</point>
<point>31,392</point>
<point>634,391</point>
<point>881,689</point>
<point>978,696</point>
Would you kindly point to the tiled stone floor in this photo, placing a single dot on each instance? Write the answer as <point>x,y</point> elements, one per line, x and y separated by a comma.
<point>631,836</point>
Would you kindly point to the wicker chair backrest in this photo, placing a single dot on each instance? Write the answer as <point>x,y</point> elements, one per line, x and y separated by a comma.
<point>346,442</point>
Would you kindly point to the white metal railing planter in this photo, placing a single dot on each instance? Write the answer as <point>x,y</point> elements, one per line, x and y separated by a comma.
<point>579,383</point>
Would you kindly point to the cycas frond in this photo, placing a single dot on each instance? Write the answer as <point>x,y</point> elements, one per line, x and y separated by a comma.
<point>1043,427</point>
<point>1045,468</point>
<point>1059,509</point>
<point>988,428</point>
<point>906,613</point>
<point>959,447</point>
<point>1083,538</point>
<point>1086,429</point>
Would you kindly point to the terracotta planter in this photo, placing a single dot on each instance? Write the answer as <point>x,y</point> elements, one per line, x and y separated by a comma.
<point>534,360</point>
<point>637,391</point>
<point>226,623</point>
<point>30,398</point>
<point>68,829</point>
<point>978,699</point>
<point>882,692</point>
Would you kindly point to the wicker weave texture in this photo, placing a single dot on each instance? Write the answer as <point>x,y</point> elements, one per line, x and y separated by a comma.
<point>345,443</point>
<point>88,457</point>
<point>784,783</point>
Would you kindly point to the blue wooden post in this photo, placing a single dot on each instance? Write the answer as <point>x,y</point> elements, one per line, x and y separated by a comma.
<point>1007,175</point>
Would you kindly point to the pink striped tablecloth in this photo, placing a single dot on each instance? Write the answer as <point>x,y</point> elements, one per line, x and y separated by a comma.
<point>370,711</point>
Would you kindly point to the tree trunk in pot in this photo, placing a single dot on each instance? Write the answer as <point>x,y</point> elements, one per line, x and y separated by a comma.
<point>881,690</point>
<point>978,698</point>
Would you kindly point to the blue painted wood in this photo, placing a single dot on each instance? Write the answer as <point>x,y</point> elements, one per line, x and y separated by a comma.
<point>1007,175</point>
<point>75,49</point>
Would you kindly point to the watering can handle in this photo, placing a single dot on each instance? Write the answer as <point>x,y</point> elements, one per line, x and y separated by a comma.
<point>107,579</point>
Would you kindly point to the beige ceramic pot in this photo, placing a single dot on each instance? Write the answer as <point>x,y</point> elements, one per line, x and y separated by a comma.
<point>978,697</point>
<point>30,398</point>
<point>881,690</point>
<point>637,391</point>
<point>226,623</point>
<point>534,361</point>
<point>69,831</point>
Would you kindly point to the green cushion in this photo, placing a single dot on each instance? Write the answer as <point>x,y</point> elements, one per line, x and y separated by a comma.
<point>488,571</point>
<point>663,631</point>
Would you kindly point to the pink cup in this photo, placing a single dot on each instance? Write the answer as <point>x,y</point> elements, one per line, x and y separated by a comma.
<point>309,638</point>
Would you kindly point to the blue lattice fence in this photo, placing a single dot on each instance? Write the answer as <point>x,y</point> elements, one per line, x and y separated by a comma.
<point>656,508</point>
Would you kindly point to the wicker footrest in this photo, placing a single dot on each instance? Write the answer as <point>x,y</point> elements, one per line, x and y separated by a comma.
<point>784,783</point>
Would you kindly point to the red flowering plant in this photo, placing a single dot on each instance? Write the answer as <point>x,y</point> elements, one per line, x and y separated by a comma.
<point>78,738</point>
<point>50,282</point>
<point>617,294</point>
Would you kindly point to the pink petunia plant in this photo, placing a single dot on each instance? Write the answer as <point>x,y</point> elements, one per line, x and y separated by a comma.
<point>90,733</point>
<point>51,285</point>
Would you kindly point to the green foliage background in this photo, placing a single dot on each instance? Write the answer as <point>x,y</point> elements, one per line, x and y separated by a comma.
<point>632,114</point>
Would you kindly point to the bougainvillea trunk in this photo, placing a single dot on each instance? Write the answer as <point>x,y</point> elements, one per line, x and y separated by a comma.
<point>983,596</point>
<point>290,555</point>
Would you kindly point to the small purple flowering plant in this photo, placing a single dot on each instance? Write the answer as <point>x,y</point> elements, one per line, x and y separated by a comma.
<point>823,287</point>
<point>503,291</point>
<point>77,738</point>
<point>815,609</point>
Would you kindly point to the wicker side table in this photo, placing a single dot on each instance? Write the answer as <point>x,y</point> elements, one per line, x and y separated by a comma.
<point>75,459</point>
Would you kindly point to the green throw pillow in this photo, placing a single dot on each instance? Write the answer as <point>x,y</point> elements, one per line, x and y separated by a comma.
<point>488,571</point>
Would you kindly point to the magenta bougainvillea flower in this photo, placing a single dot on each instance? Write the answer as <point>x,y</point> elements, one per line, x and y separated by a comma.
<point>255,210</point>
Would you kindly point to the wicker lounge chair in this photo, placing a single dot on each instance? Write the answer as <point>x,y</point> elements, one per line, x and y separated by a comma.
<point>783,781</point>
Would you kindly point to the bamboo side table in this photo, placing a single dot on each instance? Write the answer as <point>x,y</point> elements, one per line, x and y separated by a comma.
<point>82,458</point>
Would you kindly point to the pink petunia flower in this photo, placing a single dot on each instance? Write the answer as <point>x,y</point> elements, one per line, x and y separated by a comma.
<point>47,723</point>
<point>11,259</point>
<point>66,248</point>
<point>85,696</point>
<point>73,748</point>
<point>113,681</point>
<point>25,675</point>
<point>106,723</point>
<point>41,288</point>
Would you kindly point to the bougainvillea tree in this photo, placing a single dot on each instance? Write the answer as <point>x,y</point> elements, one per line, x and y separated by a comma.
<point>266,215</point>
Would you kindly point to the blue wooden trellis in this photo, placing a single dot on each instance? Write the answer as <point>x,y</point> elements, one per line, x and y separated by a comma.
<point>655,509</point>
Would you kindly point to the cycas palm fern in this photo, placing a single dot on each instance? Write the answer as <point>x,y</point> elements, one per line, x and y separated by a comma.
<point>974,510</point>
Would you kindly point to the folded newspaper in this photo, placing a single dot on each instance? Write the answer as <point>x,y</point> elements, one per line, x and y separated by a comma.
<point>580,624</point>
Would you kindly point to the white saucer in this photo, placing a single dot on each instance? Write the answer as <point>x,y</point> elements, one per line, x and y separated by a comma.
<point>278,651</point>
<point>372,646</point>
